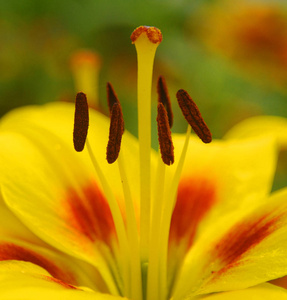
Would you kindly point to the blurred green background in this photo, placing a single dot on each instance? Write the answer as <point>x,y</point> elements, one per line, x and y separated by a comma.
<point>231,56</point>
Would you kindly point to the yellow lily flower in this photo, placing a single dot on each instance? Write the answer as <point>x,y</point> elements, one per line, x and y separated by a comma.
<point>77,227</point>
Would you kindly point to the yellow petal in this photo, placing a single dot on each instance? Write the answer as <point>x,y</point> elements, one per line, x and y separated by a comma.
<point>58,265</point>
<point>219,178</point>
<point>14,227</point>
<point>261,125</point>
<point>58,118</point>
<point>46,194</point>
<point>25,281</point>
<point>243,249</point>
<point>46,181</point>
<point>261,292</point>
<point>72,213</point>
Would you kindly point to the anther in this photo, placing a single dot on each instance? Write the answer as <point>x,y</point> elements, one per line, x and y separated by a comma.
<point>193,116</point>
<point>164,136</point>
<point>81,122</point>
<point>112,96</point>
<point>116,132</point>
<point>163,97</point>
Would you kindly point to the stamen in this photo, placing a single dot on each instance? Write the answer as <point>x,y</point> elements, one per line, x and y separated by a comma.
<point>81,122</point>
<point>132,233</point>
<point>164,135</point>
<point>112,96</point>
<point>117,217</point>
<point>116,132</point>
<point>193,116</point>
<point>163,97</point>
<point>154,290</point>
<point>168,205</point>
<point>114,106</point>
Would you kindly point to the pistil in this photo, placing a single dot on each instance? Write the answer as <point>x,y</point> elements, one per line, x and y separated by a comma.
<point>146,40</point>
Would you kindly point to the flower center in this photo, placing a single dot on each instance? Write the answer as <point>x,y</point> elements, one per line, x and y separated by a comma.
<point>143,255</point>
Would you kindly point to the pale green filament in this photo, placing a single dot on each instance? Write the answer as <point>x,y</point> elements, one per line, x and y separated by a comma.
<point>135,278</point>
<point>145,57</point>
<point>169,202</point>
<point>117,217</point>
<point>153,291</point>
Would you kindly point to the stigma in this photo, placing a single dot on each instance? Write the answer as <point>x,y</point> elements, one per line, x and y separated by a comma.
<point>153,34</point>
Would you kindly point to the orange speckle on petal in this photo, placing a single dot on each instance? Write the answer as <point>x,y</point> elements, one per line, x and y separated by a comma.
<point>195,197</point>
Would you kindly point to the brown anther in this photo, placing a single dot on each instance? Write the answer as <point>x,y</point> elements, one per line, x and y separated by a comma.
<point>81,122</point>
<point>164,135</point>
<point>163,97</point>
<point>116,132</point>
<point>111,96</point>
<point>193,116</point>
<point>153,34</point>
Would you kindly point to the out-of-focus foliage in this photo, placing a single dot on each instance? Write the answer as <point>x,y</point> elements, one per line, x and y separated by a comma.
<point>231,56</point>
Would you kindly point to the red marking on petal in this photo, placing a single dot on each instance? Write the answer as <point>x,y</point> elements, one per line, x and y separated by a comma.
<point>282,282</point>
<point>9,251</point>
<point>62,283</point>
<point>242,238</point>
<point>195,197</point>
<point>90,214</point>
